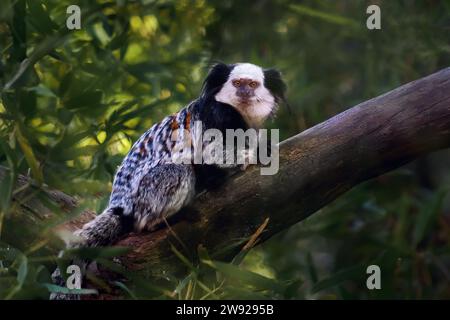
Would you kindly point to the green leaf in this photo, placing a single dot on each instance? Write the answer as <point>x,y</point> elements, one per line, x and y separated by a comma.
<point>62,154</point>
<point>118,41</point>
<point>183,258</point>
<point>254,279</point>
<point>126,289</point>
<point>43,91</point>
<point>325,16</point>
<point>84,100</point>
<point>311,268</point>
<point>427,216</point>
<point>23,270</point>
<point>182,284</point>
<point>40,18</point>
<point>29,156</point>
<point>19,47</point>
<point>244,294</point>
<point>139,283</point>
<point>339,277</point>
<point>203,253</point>
<point>26,65</point>
<point>8,181</point>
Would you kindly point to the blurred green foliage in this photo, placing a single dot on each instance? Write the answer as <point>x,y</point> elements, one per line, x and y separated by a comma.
<point>72,102</point>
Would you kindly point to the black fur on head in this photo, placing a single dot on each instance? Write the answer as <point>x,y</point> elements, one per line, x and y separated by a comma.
<point>219,73</point>
<point>215,79</point>
<point>274,82</point>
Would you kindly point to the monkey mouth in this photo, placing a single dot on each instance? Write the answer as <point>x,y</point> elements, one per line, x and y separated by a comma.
<point>245,102</point>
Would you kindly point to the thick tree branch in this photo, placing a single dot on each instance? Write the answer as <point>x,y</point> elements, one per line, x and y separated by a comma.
<point>316,166</point>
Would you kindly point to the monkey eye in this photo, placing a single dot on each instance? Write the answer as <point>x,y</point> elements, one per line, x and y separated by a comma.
<point>253,84</point>
<point>236,83</point>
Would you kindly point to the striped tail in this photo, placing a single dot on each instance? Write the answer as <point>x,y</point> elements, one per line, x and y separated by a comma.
<point>106,229</point>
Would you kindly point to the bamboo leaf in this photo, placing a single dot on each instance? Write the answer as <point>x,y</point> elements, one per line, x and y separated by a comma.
<point>339,277</point>
<point>29,156</point>
<point>325,16</point>
<point>248,277</point>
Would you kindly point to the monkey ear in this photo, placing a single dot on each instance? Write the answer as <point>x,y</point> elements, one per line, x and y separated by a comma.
<point>274,82</point>
<point>216,78</point>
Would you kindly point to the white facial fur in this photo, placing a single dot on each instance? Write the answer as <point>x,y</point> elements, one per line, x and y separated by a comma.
<point>261,104</point>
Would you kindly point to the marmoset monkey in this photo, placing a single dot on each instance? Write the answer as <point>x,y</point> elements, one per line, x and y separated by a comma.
<point>148,186</point>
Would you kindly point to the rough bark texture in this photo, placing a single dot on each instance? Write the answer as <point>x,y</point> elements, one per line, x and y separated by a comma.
<point>316,166</point>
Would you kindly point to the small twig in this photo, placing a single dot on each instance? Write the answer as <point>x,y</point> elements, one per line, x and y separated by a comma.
<point>255,236</point>
<point>175,235</point>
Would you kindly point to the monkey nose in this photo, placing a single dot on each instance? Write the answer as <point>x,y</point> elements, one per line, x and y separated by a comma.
<point>244,93</point>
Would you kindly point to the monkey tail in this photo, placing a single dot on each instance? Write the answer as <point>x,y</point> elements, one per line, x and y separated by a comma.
<point>104,230</point>
<point>107,228</point>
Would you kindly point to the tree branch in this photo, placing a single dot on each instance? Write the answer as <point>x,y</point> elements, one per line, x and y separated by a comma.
<point>316,166</point>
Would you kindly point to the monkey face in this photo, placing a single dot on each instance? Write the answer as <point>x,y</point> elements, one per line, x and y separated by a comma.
<point>245,90</point>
